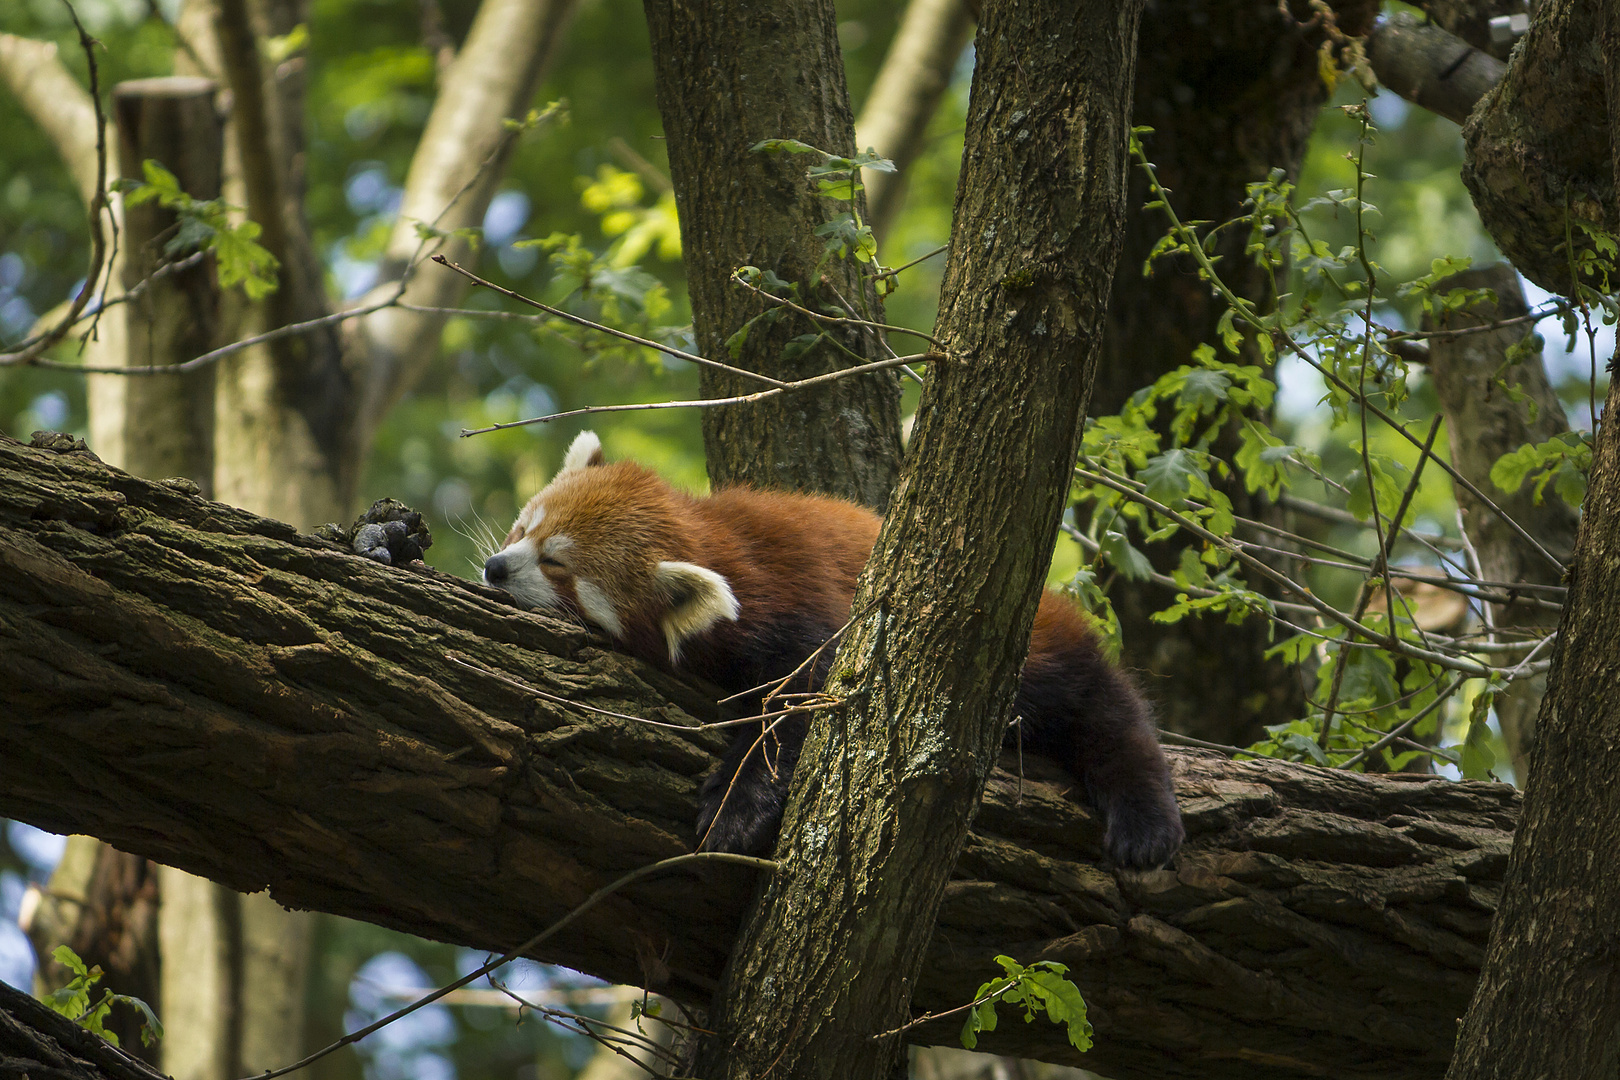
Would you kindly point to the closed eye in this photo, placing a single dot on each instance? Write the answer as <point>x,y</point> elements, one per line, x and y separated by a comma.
<point>547,560</point>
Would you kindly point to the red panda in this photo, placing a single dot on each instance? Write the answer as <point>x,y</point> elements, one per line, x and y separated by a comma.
<point>742,586</point>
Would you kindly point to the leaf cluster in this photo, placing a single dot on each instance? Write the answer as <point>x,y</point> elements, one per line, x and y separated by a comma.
<point>206,225</point>
<point>73,1001</point>
<point>1041,987</point>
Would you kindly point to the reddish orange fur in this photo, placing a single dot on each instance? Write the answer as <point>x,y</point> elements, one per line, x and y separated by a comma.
<point>791,562</point>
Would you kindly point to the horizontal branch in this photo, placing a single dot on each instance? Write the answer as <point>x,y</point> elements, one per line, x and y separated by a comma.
<point>210,689</point>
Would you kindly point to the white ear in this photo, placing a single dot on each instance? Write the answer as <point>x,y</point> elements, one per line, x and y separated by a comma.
<point>698,598</point>
<point>583,452</point>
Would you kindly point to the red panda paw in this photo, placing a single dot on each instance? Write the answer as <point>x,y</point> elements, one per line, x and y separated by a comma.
<point>1144,830</point>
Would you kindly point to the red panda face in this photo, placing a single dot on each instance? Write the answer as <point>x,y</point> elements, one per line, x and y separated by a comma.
<point>608,543</point>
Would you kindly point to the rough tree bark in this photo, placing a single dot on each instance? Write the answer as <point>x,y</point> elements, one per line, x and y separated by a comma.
<point>1548,1000</point>
<point>207,688</point>
<point>1483,422</point>
<point>1538,156</point>
<point>829,956</point>
<point>1232,91</point>
<point>729,74</point>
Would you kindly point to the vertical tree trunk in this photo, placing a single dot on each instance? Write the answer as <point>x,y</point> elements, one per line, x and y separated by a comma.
<point>1232,91</point>
<point>729,74</point>
<point>169,420</point>
<point>1483,422</point>
<point>1548,999</point>
<point>827,960</point>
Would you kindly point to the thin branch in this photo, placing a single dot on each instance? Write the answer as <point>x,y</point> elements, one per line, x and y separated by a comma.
<point>568,316</point>
<point>710,403</point>
<point>98,207</point>
<point>836,320</point>
<point>1388,641</point>
<point>518,684</point>
<point>926,1017</point>
<point>528,946</point>
<point>1243,309</point>
<point>1408,724</point>
<point>216,355</point>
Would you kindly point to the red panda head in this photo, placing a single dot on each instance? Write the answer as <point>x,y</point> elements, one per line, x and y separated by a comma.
<point>611,543</point>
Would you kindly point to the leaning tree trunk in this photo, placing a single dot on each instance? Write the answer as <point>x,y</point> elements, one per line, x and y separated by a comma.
<point>830,955</point>
<point>1548,1002</point>
<point>207,688</point>
<point>731,73</point>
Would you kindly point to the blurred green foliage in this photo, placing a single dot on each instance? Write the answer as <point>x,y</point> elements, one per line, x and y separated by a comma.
<point>371,81</point>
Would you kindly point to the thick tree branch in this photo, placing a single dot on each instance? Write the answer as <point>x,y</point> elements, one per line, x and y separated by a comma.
<point>1431,67</point>
<point>207,688</point>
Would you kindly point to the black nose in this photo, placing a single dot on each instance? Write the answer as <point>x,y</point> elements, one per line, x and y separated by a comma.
<point>495,570</point>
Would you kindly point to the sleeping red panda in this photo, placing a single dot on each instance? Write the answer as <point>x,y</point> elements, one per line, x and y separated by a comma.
<point>742,586</point>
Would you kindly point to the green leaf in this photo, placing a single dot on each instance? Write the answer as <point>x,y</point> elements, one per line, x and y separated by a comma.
<point>1125,558</point>
<point>1171,476</point>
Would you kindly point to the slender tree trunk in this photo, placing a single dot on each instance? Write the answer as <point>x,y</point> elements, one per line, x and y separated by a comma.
<point>169,421</point>
<point>731,73</point>
<point>1477,388</point>
<point>915,74</point>
<point>830,955</point>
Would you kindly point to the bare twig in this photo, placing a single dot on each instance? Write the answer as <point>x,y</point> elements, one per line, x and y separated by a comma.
<point>528,946</point>
<point>98,208</point>
<point>568,316</point>
<point>518,684</point>
<point>835,320</point>
<point>710,403</point>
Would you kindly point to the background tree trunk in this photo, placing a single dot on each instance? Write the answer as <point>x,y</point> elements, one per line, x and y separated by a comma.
<point>1232,91</point>
<point>1483,422</point>
<point>731,73</point>
<point>204,687</point>
<point>915,74</point>
<point>880,807</point>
